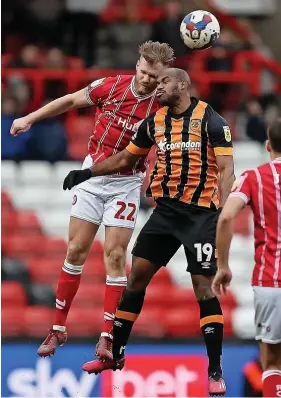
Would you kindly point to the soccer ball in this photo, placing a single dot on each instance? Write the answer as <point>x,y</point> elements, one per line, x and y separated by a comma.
<point>200,30</point>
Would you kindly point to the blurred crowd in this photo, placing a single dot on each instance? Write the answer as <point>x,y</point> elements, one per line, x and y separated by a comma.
<point>66,34</point>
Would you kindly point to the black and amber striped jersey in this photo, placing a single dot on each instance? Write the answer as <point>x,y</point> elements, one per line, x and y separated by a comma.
<point>187,146</point>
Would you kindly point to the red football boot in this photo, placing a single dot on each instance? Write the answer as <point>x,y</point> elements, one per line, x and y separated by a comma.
<point>217,385</point>
<point>97,366</point>
<point>48,347</point>
<point>104,348</point>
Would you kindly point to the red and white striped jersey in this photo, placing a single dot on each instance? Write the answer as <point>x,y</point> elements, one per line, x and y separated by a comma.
<point>119,110</point>
<point>261,189</point>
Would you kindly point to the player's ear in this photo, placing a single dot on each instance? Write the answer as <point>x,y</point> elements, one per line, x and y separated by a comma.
<point>138,63</point>
<point>268,146</point>
<point>182,85</point>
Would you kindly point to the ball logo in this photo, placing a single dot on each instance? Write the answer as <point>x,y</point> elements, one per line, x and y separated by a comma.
<point>74,200</point>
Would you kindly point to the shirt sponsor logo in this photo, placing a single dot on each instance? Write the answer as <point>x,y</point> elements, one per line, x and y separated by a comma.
<point>189,145</point>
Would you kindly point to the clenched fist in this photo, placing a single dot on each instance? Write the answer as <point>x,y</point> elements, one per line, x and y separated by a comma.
<point>20,126</point>
<point>75,177</point>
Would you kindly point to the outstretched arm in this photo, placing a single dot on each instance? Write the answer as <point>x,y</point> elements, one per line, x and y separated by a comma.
<point>56,107</point>
<point>122,161</point>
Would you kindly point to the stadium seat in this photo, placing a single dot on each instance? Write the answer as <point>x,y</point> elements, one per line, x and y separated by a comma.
<point>44,269</point>
<point>35,172</point>
<point>162,277</point>
<point>149,323</point>
<point>24,222</point>
<point>9,172</point>
<point>55,222</point>
<point>243,322</point>
<point>89,295</point>
<point>13,294</point>
<point>61,169</point>
<point>81,126</point>
<point>77,150</point>
<point>181,322</point>
<point>25,246</point>
<point>31,197</point>
<point>12,321</point>
<point>6,201</point>
<point>41,294</point>
<point>38,320</point>
<point>14,270</point>
<point>85,321</point>
<point>93,270</point>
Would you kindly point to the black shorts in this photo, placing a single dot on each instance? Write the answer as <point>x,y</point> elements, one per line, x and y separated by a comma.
<point>173,224</point>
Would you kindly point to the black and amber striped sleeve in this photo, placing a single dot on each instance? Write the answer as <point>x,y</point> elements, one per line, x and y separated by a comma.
<point>141,142</point>
<point>219,133</point>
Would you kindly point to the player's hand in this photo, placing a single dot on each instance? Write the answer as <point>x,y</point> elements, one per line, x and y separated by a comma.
<point>75,177</point>
<point>221,281</point>
<point>20,126</point>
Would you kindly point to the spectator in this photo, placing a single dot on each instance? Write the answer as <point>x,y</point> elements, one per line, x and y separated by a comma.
<point>12,148</point>
<point>126,31</point>
<point>82,25</point>
<point>48,140</point>
<point>256,125</point>
<point>28,58</point>
<point>166,29</point>
<point>55,59</point>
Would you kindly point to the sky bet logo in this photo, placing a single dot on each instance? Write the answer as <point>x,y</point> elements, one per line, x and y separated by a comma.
<point>184,146</point>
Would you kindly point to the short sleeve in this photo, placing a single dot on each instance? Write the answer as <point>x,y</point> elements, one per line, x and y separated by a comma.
<point>141,143</point>
<point>99,89</point>
<point>242,187</point>
<point>220,134</point>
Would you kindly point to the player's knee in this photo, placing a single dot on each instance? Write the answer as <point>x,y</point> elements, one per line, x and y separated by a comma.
<point>76,253</point>
<point>271,358</point>
<point>202,290</point>
<point>116,259</point>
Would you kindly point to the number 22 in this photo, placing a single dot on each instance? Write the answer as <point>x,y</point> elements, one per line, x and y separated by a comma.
<point>123,206</point>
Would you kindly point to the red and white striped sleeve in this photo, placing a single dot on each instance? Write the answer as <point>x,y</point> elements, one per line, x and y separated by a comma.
<point>98,90</point>
<point>242,187</point>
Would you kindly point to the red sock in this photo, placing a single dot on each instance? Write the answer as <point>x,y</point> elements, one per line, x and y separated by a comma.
<point>113,292</point>
<point>67,288</point>
<point>271,383</point>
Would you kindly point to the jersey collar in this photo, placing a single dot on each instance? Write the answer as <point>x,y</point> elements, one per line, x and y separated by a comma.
<point>138,96</point>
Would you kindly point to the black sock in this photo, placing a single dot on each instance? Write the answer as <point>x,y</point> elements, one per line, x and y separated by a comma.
<point>127,312</point>
<point>211,323</point>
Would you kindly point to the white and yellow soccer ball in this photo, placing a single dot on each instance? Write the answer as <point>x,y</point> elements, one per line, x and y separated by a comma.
<point>199,30</point>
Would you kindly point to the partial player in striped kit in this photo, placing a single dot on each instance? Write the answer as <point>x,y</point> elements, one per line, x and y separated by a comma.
<point>122,102</point>
<point>260,188</point>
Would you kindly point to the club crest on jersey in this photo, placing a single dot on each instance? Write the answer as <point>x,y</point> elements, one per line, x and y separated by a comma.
<point>195,124</point>
<point>227,133</point>
<point>159,129</point>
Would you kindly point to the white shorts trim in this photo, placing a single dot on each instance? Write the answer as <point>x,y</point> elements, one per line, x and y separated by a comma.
<point>85,219</point>
<point>267,302</point>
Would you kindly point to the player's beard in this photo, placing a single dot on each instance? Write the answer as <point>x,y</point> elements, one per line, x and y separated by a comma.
<point>170,100</point>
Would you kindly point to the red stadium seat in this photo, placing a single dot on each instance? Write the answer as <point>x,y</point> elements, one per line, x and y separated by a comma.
<point>38,320</point>
<point>149,323</point>
<point>12,321</point>
<point>25,246</point>
<point>44,270</point>
<point>24,222</point>
<point>77,149</point>
<point>162,277</point>
<point>6,202</point>
<point>85,321</point>
<point>13,294</point>
<point>89,295</point>
<point>182,322</point>
<point>81,126</point>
